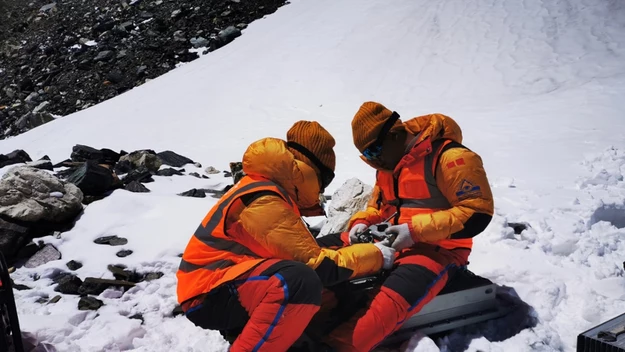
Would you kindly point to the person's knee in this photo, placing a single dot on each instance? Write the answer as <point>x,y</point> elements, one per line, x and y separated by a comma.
<point>302,283</point>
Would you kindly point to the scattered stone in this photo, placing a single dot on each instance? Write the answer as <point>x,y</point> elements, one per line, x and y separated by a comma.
<point>89,303</point>
<point>153,276</point>
<point>92,179</point>
<point>140,174</point>
<point>47,254</point>
<point>169,172</point>
<point>42,300</point>
<point>111,240</point>
<point>146,158</point>
<point>25,196</point>
<point>20,287</point>
<point>124,253</point>
<point>197,193</point>
<point>41,107</point>
<point>172,159</point>
<point>17,156</point>
<point>73,265</point>
<point>195,174</point>
<point>115,76</point>
<point>137,316</point>
<point>229,34</point>
<point>55,299</point>
<point>68,284</point>
<point>13,238</point>
<point>136,187</point>
<point>104,56</point>
<point>82,153</point>
<point>95,286</point>
<point>211,170</point>
<point>33,119</point>
<point>199,42</point>
<point>518,227</point>
<point>41,165</point>
<point>236,169</point>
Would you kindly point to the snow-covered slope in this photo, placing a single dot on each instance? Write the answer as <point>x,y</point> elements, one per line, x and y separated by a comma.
<point>537,87</point>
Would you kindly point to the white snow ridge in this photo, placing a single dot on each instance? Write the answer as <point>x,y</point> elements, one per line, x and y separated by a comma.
<point>536,86</point>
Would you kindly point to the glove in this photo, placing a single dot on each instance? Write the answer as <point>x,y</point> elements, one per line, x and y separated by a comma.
<point>388,253</point>
<point>353,233</point>
<point>402,236</point>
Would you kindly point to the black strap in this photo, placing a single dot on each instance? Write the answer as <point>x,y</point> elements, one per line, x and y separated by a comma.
<point>247,199</point>
<point>385,129</point>
<point>307,153</point>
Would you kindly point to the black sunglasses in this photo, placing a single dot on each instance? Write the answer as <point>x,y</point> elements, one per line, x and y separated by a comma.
<point>374,150</point>
<point>327,175</point>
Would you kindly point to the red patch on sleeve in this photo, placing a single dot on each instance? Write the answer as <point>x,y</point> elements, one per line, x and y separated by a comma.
<point>451,164</point>
<point>460,161</point>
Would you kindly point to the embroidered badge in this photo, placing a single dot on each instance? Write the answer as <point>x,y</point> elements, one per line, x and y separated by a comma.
<point>467,190</point>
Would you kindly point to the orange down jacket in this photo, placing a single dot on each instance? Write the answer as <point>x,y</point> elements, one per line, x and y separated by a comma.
<point>439,188</point>
<point>259,218</point>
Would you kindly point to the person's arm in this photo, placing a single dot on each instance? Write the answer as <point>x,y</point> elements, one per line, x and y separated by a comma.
<point>274,225</point>
<point>462,179</point>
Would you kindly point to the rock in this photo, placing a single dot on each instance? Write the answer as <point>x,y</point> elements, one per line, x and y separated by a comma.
<point>199,42</point>
<point>124,253</point>
<point>41,107</point>
<point>17,156</point>
<point>104,55</point>
<point>25,196</point>
<point>229,34</point>
<point>95,286</point>
<point>48,8</point>
<point>153,276</point>
<point>32,98</point>
<point>41,165</point>
<point>141,70</point>
<point>236,169</point>
<point>92,179</point>
<point>197,193</point>
<point>115,76</point>
<point>73,265</point>
<point>47,254</point>
<point>89,303</point>
<point>211,170</point>
<point>123,166</point>
<point>169,172</point>
<point>101,156</point>
<point>111,240</point>
<point>195,174</point>
<point>55,299</point>
<point>20,287</point>
<point>241,26</point>
<point>32,120</point>
<point>27,251</point>
<point>137,316</point>
<point>68,284</point>
<point>518,227</point>
<point>140,174</point>
<point>146,158</point>
<point>351,197</point>
<point>136,187</point>
<point>172,159</point>
<point>13,238</point>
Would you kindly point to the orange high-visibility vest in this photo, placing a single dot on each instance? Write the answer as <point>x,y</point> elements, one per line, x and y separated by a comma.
<point>411,189</point>
<point>212,256</point>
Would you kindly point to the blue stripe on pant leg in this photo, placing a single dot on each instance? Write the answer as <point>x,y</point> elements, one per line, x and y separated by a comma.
<point>285,288</point>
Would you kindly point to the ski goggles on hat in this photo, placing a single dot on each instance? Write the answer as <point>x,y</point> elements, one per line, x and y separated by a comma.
<point>374,150</point>
<point>327,175</point>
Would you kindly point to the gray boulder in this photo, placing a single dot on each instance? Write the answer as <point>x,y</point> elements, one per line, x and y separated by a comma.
<point>146,158</point>
<point>346,201</point>
<point>31,195</point>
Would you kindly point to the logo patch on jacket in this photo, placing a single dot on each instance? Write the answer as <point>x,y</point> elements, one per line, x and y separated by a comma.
<point>467,190</point>
<point>457,162</point>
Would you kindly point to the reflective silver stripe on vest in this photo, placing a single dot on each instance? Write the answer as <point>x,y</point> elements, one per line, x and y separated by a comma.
<point>187,267</point>
<point>430,203</point>
<point>204,234</point>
